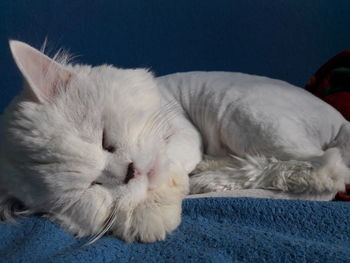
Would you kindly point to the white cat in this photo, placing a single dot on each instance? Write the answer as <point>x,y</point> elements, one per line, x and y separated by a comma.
<point>103,149</point>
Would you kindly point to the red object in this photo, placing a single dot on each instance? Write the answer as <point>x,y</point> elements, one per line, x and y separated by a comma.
<point>343,196</point>
<point>340,101</point>
<point>333,88</point>
<point>332,84</point>
<point>318,82</point>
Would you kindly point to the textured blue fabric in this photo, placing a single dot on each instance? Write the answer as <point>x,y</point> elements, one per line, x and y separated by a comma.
<point>286,39</point>
<point>213,230</point>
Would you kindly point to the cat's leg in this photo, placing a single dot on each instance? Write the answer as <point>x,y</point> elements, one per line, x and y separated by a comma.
<point>277,154</point>
<point>317,174</point>
<point>184,146</point>
<point>211,175</point>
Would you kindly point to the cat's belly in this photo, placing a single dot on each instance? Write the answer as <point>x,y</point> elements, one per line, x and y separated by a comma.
<point>246,114</point>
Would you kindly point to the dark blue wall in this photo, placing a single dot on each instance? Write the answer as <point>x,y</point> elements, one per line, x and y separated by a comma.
<point>286,39</point>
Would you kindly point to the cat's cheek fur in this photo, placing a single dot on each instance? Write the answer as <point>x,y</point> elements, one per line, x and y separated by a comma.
<point>157,215</point>
<point>87,216</point>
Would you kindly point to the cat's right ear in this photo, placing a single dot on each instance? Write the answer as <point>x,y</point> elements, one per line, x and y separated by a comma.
<point>45,77</point>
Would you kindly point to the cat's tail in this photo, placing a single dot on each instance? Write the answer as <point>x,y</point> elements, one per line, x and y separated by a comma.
<point>321,174</point>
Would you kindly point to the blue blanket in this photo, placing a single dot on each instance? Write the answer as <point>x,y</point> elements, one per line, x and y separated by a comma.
<point>212,230</point>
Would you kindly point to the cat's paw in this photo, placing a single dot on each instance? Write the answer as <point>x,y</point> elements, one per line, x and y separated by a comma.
<point>152,221</point>
<point>155,217</point>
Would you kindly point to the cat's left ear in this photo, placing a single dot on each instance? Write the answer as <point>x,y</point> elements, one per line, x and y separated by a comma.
<point>44,76</point>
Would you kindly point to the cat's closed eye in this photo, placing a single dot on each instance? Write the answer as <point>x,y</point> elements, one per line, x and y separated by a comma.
<point>96,183</point>
<point>105,145</point>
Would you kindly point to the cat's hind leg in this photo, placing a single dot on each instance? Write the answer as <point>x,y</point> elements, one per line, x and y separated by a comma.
<point>319,174</point>
<point>212,175</point>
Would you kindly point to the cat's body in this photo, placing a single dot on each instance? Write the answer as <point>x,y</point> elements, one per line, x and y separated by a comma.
<point>104,149</point>
<point>230,109</point>
<point>258,119</point>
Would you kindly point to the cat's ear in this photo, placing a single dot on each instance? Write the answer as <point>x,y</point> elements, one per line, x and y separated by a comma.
<point>44,76</point>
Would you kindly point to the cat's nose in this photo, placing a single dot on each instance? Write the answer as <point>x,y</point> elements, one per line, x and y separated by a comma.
<point>129,173</point>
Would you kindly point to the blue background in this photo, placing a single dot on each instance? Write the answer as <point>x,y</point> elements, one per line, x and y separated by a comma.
<point>285,39</point>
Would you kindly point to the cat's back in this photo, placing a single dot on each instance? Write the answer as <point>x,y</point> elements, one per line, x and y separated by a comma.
<point>233,88</point>
<point>220,79</point>
<point>231,85</point>
<point>214,100</point>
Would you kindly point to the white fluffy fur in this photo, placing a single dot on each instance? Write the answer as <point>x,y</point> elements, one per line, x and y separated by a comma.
<point>52,151</point>
<point>256,133</point>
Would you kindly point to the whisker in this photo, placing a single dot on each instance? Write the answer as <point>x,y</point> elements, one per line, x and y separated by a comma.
<point>161,118</point>
<point>105,227</point>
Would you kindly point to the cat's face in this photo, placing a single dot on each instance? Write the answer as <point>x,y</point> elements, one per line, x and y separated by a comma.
<point>87,146</point>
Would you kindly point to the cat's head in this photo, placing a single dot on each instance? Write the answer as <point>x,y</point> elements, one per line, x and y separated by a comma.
<point>87,146</point>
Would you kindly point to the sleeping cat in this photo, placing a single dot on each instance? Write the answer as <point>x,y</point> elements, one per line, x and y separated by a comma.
<point>109,150</point>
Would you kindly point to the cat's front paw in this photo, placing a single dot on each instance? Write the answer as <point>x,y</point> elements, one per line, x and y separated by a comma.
<point>156,216</point>
<point>152,221</point>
